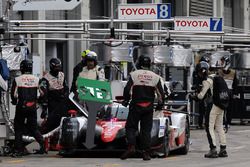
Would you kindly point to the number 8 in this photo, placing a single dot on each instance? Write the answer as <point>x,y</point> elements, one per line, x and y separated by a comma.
<point>163,11</point>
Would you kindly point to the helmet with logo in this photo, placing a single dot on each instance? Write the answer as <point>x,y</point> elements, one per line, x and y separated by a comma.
<point>84,53</point>
<point>91,56</point>
<point>226,63</point>
<point>26,66</point>
<point>55,65</point>
<point>144,62</point>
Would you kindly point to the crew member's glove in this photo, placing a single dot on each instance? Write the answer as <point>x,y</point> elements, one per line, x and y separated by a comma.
<point>44,113</point>
<point>14,102</point>
<point>125,103</point>
<point>159,106</point>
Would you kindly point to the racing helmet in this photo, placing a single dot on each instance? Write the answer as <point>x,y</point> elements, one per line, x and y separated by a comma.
<point>26,66</point>
<point>84,53</point>
<point>144,62</point>
<point>226,63</point>
<point>205,59</point>
<point>55,65</point>
<point>91,56</point>
<point>203,68</point>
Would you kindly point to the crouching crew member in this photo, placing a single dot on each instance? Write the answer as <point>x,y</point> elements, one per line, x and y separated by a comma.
<point>144,84</point>
<point>24,93</point>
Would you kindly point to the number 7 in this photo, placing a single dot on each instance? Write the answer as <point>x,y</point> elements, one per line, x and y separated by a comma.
<point>217,21</point>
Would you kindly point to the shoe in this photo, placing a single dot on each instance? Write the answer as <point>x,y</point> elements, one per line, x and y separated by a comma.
<point>16,155</point>
<point>41,151</point>
<point>146,156</point>
<point>211,154</point>
<point>223,153</point>
<point>25,152</point>
<point>128,153</point>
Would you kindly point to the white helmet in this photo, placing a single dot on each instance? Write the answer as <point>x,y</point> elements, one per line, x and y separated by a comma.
<point>226,62</point>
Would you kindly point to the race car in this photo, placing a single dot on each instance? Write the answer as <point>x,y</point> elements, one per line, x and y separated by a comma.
<point>170,131</point>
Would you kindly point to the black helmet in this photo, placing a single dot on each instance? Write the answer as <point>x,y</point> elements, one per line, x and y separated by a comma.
<point>91,56</point>
<point>26,66</point>
<point>144,62</point>
<point>55,65</point>
<point>203,68</point>
<point>205,59</point>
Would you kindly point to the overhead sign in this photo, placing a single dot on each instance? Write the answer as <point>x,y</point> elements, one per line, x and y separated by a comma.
<point>144,11</point>
<point>197,24</point>
<point>32,5</point>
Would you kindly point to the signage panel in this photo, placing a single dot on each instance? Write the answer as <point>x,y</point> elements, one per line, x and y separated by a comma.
<point>144,11</point>
<point>197,24</point>
<point>34,5</point>
<point>94,90</point>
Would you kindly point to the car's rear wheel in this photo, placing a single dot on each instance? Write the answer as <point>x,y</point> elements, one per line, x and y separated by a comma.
<point>184,150</point>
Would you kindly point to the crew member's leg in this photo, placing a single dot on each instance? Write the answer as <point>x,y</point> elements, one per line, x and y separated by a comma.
<point>145,133</point>
<point>210,133</point>
<point>131,129</point>
<point>221,133</point>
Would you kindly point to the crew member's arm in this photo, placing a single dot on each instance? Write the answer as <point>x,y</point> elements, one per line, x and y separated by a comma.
<point>13,92</point>
<point>65,88</point>
<point>160,93</point>
<point>206,84</point>
<point>126,91</point>
<point>75,75</point>
<point>43,99</point>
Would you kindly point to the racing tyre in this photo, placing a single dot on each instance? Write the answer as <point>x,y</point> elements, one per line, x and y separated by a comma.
<point>184,150</point>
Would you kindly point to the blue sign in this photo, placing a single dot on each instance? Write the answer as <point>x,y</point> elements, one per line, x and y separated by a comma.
<point>164,11</point>
<point>215,24</point>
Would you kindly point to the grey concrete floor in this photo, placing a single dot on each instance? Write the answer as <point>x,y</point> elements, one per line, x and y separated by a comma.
<point>238,141</point>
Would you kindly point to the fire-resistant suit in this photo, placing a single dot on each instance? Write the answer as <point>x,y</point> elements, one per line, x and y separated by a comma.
<point>96,73</point>
<point>142,84</point>
<point>55,98</point>
<point>213,120</point>
<point>24,93</point>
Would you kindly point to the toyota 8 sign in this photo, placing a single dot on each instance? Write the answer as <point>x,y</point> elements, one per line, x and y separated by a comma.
<point>144,11</point>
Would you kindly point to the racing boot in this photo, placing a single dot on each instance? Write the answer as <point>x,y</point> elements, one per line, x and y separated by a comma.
<point>42,150</point>
<point>146,156</point>
<point>128,153</point>
<point>16,154</point>
<point>211,154</point>
<point>223,152</point>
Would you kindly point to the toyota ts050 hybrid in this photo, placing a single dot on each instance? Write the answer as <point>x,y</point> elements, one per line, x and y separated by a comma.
<point>170,131</point>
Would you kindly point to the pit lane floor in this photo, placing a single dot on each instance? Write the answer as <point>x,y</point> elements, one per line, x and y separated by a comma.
<point>238,141</point>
